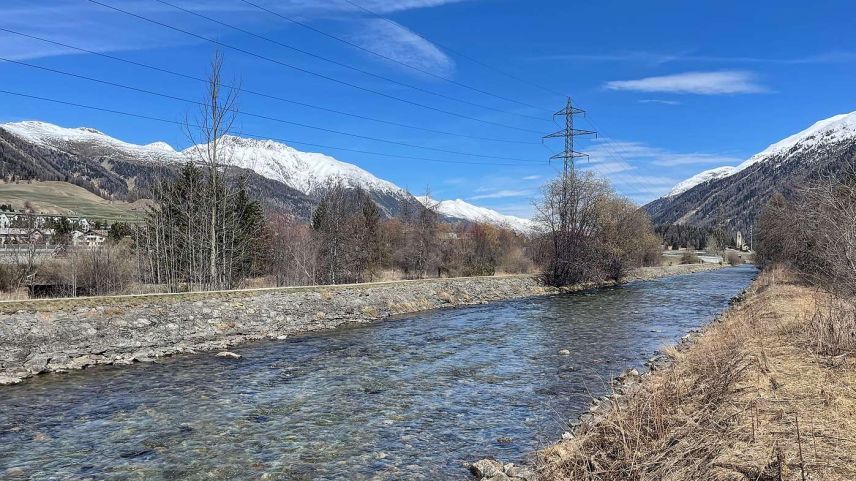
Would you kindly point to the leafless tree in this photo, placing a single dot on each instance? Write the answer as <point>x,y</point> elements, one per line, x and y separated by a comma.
<point>814,231</point>
<point>568,212</point>
<point>591,234</point>
<point>213,122</point>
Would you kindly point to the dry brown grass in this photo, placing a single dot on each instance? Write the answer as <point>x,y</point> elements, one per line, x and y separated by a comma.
<point>753,398</point>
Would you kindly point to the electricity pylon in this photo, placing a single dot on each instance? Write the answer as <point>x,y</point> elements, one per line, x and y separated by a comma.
<point>568,133</point>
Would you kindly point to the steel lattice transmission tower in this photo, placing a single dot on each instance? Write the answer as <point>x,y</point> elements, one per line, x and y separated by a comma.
<point>568,133</point>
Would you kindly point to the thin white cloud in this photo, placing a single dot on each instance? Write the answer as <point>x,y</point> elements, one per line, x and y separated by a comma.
<point>604,150</point>
<point>399,43</point>
<point>657,58</point>
<point>389,6</point>
<point>532,177</point>
<point>627,165</point>
<point>503,194</point>
<point>702,83</point>
<point>659,101</point>
<point>93,27</point>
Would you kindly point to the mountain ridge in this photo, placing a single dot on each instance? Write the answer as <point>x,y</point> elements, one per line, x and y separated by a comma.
<point>281,176</point>
<point>460,210</point>
<point>736,194</point>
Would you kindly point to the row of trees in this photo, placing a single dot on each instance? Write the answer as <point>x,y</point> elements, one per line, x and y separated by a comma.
<point>591,234</point>
<point>202,231</point>
<point>355,244</point>
<point>679,236</point>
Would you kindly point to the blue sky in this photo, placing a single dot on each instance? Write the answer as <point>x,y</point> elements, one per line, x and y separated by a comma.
<point>672,87</point>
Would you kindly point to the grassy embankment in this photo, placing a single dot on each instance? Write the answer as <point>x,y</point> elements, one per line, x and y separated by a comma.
<point>767,393</point>
<point>63,198</point>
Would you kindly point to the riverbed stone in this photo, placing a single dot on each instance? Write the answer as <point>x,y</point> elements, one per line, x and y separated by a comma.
<point>486,468</point>
<point>520,473</point>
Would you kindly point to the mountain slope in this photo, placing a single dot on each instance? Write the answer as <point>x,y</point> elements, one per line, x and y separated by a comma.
<point>459,210</point>
<point>62,198</point>
<point>737,194</point>
<point>311,173</point>
<point>282,177</point>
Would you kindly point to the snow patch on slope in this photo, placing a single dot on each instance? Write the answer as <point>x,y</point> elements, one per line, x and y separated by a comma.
<point>56,137</point>
<point>459,209</point>
<point>827,131</point>
<point>304,171</point>
<point>700,178</point>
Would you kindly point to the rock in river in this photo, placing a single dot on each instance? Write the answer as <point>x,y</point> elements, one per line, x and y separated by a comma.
<point>228,354</point>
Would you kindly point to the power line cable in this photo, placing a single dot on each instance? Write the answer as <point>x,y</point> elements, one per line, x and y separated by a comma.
<point>261,116</point>
<point>350,67</point>
<point>387,57</point>
<point>457,53</point>
<point>249,135</point>
<point>264,95</point>
<point>309,72</point>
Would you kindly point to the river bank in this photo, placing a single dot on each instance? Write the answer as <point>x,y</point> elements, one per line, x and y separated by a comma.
<point>43,336</point>
<point>756,395</point>
<point>414,397</point>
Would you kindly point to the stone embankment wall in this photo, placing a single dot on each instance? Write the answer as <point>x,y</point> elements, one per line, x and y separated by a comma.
<point>58,335</point>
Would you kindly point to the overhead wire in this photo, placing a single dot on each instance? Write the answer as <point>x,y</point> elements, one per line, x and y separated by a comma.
<point>307,71</point>
<point>246,134</point>
<point>387,57</point>
<point>458,53</point>
<point>261,116</point>
<point>262,94</point>
<point>344,65</point>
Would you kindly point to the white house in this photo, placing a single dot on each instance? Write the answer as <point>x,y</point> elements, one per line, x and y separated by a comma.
<point>94,238</point>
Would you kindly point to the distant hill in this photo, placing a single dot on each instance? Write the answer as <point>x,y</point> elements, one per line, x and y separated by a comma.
<point>459,210</point>
<point>66,199</point>
<point>738,193</point>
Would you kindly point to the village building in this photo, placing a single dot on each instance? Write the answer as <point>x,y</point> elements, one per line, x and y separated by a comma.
<point>94,237</point>
<point>20,235</point>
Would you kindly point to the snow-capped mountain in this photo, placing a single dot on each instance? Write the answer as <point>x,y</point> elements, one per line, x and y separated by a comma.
<point>308,172</point>
<point>739,192</point>
<point>827,131</point>
<point>283,177</point>
<point>61,138</point>
<point>460,210</point>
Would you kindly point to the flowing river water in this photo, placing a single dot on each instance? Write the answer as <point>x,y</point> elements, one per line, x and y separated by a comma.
<point>410,398</point>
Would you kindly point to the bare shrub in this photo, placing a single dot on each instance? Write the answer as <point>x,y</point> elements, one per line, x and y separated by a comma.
<point>108,269</point>
<point>832,327</point>
<point>515,261</point>
<point>733,258</point>
<point>690,257</point>
<point>292,251</point>
<point>814,232</point>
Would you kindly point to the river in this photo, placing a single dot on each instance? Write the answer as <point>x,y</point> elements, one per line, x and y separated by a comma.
<point>409,398</point>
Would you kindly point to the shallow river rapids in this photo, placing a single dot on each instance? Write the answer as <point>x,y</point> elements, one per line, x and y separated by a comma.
<point>409,398</point>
